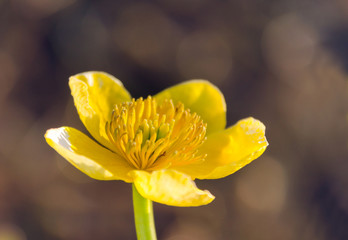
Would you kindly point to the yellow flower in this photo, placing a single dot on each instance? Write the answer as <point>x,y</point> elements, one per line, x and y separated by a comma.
<point>161,143</point>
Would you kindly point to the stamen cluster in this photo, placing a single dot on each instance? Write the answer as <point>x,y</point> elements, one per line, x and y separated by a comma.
<point>153,136</point>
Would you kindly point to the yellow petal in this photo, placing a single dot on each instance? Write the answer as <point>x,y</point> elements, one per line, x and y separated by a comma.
<point>170,187</point>
<point>230,150</point>
<point>201,97</point>
<point>88,156</point>
<point>95,94</point>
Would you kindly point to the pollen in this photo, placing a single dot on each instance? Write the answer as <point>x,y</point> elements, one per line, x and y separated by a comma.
<point>152,136</point>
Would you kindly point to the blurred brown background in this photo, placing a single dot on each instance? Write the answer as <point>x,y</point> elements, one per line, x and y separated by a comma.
<point>284,62</point>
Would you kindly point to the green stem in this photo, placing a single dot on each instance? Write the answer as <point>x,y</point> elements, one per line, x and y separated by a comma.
<point>143,215</point>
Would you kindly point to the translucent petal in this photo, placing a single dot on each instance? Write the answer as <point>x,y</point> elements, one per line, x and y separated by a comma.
<point>87,155</point>
<point>201,97</point>
<point>95,94</point>
<point>229,150</point>
<point>170,187</point>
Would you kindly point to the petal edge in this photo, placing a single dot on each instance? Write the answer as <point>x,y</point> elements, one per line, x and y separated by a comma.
<point>95,94</point>
<point>171,188</point>
<point>202,97</point>
<point>249,142</point>
<point>86,155</point>
<point>229,150</point>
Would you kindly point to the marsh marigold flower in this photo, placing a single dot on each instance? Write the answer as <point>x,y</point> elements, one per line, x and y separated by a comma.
<point>159,143</point>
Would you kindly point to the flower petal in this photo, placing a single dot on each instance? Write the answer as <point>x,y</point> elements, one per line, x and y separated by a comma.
<point>88,156</point>
<point>201,97</point>
<point>170,187</point>
<point>230,150</point>
<point>95,94</point>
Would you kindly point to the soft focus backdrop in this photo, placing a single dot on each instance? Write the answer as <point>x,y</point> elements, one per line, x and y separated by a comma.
<point>284,62</point>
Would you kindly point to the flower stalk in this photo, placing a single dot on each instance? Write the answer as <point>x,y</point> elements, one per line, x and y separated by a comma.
<point>143,216</point>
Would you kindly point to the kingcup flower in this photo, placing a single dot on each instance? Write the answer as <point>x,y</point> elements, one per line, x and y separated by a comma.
<point>160,143</point>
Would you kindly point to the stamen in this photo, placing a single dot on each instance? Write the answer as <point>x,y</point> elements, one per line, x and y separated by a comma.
<point>151,136</point>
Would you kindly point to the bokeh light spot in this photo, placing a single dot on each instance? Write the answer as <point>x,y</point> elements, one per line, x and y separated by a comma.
<point>263,187</point>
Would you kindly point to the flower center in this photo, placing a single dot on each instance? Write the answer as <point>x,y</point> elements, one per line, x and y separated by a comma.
<point>152,136</point>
